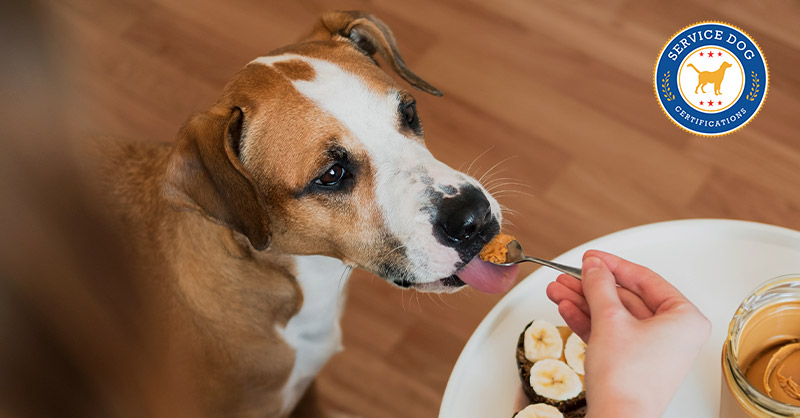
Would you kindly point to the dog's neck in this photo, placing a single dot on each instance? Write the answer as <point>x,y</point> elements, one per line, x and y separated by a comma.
<point>231,305</point>
<point>224,282</point>
<point>261,302</point>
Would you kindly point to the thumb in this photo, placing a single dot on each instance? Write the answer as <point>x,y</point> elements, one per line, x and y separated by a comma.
<point>600,286</point>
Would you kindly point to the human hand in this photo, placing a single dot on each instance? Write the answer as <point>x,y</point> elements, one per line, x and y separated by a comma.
<point>642,336</point>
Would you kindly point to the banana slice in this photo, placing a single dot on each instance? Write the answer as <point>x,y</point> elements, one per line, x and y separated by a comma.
<point>539,410</point>
<point>553,379</point>
<point>542,341</point>
<point>575,352</point>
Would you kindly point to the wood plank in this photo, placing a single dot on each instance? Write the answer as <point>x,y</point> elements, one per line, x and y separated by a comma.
<point>553,99</point>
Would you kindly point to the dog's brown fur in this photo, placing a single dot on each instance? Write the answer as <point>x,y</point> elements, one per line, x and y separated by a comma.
<point>214,233</point>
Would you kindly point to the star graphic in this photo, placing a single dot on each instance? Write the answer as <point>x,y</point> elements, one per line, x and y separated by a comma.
<point>711,103</point>
<point>710,54</point>
<point>719,103</point>
<point>719,54</point>
<point>701,54</point>
<point>701,103</point>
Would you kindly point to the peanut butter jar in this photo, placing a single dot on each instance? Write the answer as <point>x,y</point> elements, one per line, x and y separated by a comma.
<point>761,355</point>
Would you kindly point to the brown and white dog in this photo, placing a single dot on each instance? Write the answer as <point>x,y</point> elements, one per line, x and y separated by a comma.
<point>311,162</point>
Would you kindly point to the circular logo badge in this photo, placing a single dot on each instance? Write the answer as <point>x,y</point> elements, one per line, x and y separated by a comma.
<point>711,78</point>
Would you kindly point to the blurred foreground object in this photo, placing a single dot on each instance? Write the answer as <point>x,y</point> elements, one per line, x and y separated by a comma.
<point>77,339</point>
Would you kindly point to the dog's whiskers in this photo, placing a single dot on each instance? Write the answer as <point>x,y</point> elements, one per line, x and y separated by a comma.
<point>489,177</point>
<point>510,223</point>
<point>430,298</point>
<point>497,186</point>
<point>445,301</point>
<point>508,210</point>
<point>475,160</point>
<point>510,185</point>
<point>511,192</point>
<point>345,274</point>
<point>490,183</point>
<point>385,256</point>
<point>495,166</point>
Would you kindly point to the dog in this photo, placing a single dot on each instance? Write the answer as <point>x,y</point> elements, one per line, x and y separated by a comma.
<point>715,77</point>
<point>311,162</point>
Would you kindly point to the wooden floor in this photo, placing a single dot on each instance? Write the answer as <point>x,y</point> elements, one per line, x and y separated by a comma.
<point>555,97</point>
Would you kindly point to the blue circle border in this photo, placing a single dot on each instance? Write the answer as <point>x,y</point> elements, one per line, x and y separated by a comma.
<point>697,36</point>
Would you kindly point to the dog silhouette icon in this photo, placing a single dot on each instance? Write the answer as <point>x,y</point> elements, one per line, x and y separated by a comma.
<point>706,77</point>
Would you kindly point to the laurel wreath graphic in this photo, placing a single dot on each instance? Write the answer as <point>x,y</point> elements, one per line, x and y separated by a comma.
<point>754,88</point>
<point>665,88</point>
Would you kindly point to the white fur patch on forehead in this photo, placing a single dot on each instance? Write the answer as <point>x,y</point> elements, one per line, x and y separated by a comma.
<point>278,58</point>
<point>368,114</point>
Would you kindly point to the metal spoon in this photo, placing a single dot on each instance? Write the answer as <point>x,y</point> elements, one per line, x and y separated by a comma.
<point>516,256</point>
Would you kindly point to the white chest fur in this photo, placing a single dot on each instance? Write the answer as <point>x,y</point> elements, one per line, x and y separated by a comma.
<point>314,332</point>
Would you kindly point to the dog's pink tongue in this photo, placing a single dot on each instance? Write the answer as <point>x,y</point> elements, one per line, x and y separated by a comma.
<point>488,277</point>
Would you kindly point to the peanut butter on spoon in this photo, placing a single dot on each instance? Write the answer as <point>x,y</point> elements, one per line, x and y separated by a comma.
<point>495,250</point>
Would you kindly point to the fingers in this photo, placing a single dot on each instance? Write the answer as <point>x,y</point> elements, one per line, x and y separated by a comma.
<point>569,288</point>
<point>576,320</point>
<point>634,304</point>
<point>571,283</point>
<point>599,287</point>
<point>558,291</point>
<point>640,280</point>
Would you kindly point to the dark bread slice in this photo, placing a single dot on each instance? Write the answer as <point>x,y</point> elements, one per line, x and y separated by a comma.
<point>567,407</point>
<point>578,413</point>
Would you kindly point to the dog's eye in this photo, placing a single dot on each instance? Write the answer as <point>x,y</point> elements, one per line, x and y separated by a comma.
<point>409,113</point>
<point>332,176</point>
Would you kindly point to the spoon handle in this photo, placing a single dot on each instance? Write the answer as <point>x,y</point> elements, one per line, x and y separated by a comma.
<point>572,271</point>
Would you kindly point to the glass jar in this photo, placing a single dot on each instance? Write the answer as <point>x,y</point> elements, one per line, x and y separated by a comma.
<point>767,318</point>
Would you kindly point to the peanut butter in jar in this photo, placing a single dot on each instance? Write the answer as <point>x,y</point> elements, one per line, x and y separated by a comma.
<point>761,356</point>
<point>775,371</point>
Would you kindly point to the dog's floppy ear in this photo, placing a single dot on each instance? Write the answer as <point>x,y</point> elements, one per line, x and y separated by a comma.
<point>370,35</point>
<point>204,174</point>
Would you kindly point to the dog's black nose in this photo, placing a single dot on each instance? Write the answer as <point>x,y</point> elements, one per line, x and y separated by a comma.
<point>461,217</point>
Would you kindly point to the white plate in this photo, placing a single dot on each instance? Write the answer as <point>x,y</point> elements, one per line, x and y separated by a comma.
<point>715,263</point>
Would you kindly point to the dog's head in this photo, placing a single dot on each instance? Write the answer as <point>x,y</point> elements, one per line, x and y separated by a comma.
<point>313,149</point>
